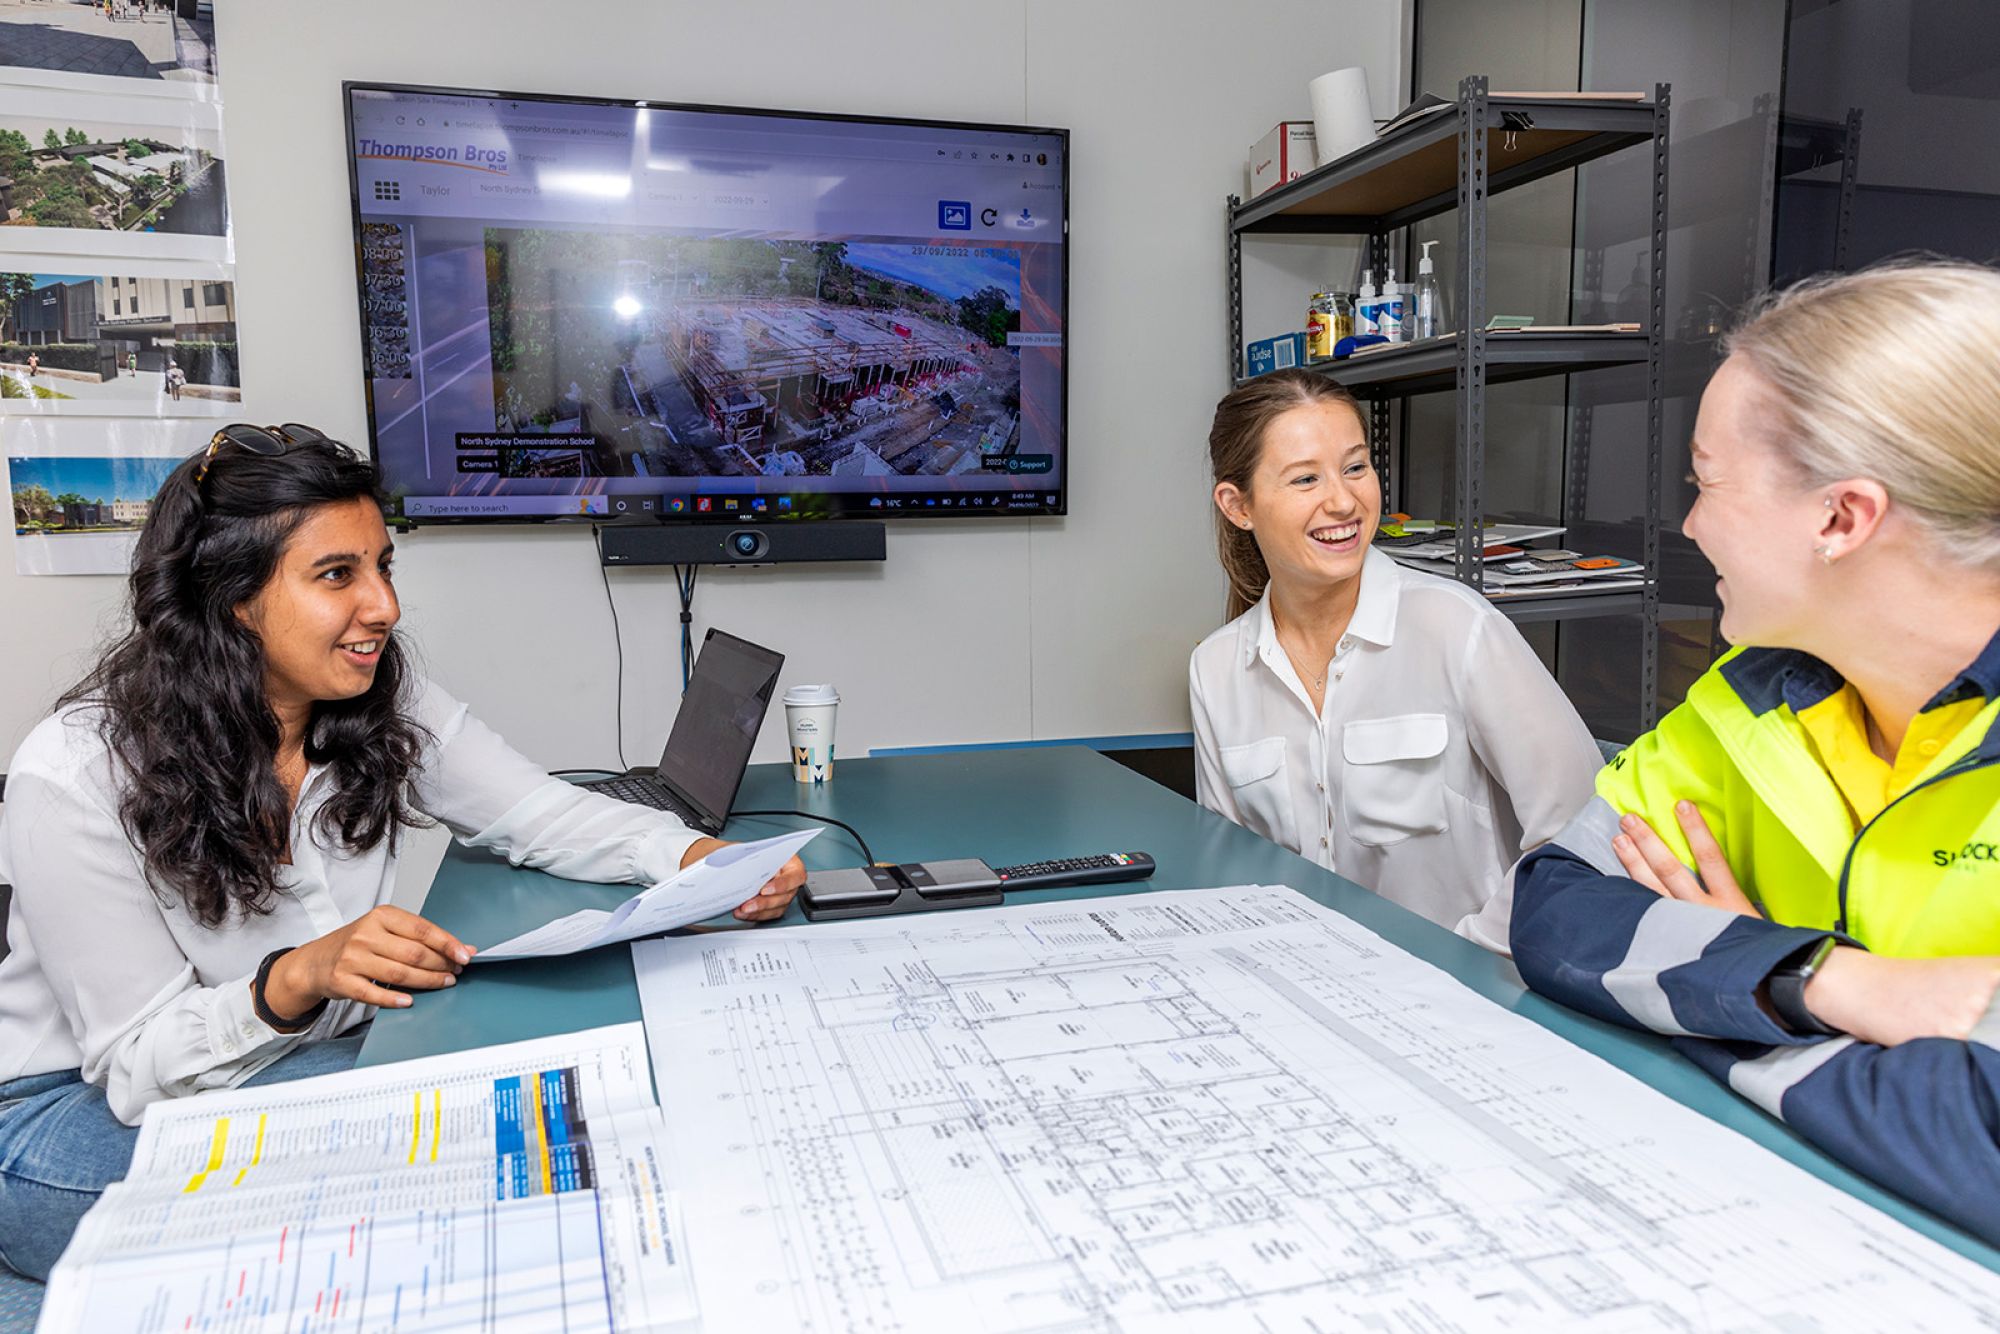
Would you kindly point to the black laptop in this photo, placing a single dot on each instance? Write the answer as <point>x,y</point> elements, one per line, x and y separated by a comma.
<point>721,711</point>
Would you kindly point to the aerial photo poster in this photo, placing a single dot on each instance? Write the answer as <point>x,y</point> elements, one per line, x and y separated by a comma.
<point>118,341</point>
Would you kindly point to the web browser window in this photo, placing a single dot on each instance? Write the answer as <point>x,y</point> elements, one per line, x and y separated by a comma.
<point>615,310</point>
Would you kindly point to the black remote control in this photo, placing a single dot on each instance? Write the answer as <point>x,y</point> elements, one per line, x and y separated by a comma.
<point>1106,868</point>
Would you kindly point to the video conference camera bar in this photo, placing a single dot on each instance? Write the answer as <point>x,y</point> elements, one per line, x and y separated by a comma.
<point>720,544</point>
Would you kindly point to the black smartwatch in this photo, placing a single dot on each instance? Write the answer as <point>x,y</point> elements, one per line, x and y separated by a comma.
<point>263,1007</point>
<point>1787,988</point>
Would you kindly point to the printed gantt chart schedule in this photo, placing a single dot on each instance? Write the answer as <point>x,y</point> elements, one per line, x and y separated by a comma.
<point>518,1187</point>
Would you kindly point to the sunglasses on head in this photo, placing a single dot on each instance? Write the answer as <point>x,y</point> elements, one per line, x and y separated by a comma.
<point>270,441</point>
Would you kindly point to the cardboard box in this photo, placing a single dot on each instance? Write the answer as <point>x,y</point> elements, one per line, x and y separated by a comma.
<point>1285,154</point>
<point>1276,354</point>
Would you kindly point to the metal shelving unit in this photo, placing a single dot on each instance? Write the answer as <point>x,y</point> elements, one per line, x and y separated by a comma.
<point>1458,159</point>
<point>1805,143</point>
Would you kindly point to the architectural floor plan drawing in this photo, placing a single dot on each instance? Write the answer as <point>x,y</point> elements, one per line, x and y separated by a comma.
<point>1222,1109</point>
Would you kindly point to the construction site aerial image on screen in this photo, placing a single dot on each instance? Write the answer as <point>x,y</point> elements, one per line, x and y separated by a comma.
<point>664,356</point>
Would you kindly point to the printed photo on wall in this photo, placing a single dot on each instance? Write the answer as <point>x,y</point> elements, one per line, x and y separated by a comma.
<point>81,490</point>
<point>118,345</point>
<point>164,46</point>
<point>64,173</point>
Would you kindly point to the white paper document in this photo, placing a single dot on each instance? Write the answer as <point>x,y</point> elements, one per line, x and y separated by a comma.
<point>514,1187</point>
<point>716,884</point>
<point>1212,1109</point>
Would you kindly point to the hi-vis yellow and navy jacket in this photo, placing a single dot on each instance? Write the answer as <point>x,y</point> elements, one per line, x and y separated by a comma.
<point>1920,878</point>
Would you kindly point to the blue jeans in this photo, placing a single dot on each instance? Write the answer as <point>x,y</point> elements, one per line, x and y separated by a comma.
<point>60,1146</point>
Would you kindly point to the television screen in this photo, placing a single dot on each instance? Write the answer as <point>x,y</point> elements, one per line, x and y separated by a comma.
<point>581,308</point>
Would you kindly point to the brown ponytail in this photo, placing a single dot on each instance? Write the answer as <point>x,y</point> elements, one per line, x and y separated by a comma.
<point>1235,442</point>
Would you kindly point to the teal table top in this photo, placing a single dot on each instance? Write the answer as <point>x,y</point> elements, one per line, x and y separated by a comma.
<point>1005,807</point>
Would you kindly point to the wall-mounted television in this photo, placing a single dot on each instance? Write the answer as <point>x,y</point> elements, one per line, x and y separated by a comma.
<point>583,308</point>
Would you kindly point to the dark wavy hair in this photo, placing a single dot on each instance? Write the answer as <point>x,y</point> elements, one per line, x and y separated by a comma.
<point>180,698</point>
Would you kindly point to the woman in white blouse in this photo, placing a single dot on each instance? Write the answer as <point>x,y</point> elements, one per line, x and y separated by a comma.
<point>202,840</point>
<point>1386,724</point>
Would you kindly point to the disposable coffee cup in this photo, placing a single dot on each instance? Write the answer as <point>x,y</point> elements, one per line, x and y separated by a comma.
<point>809,714</point>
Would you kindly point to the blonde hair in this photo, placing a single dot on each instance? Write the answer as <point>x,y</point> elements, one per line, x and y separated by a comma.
<point>1892,374</point>
<point>1236,442</point>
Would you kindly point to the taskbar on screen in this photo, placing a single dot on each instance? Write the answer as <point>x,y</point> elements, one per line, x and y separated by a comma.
<point>730,507</point>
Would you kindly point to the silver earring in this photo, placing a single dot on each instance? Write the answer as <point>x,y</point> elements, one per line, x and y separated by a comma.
<point>1825,554</point>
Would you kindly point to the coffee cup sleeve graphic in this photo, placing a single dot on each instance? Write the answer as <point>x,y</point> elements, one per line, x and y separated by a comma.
<point>809,719</point>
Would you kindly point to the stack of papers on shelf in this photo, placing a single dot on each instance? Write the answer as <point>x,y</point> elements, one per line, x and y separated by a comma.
<point>1429,104</point>
<point>1616,327</point>
<point>1573,588</point>
<point>1419,542</point>
<point>1581,575</point>
<point>1399,525</point>
<point>1559,567</point>
<point>1566,575</point>
<point>1512,330</point>
<point>1508,569</point>
<point>1514,572</point>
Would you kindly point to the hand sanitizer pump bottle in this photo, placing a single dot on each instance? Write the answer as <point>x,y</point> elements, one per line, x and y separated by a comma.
<point>1365,309</point>
<point>1432,318</point>
<point>1390,322</point>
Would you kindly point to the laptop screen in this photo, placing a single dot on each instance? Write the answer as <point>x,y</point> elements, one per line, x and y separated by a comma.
<point>722,709</point>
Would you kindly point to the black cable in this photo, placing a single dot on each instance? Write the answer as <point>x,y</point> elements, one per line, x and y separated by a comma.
<point>687,616</point>
<point>866,856</point>
<point>686,585</point>
<point>617,639</point>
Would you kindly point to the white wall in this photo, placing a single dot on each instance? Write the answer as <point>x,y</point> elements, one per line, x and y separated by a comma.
<point>973,630</point>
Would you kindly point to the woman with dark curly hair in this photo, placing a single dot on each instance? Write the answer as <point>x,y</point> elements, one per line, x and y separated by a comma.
<point>202,839</point>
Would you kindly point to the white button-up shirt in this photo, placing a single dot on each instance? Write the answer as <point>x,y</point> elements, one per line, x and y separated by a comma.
<point>1443,753</point>
<point>105,975</point>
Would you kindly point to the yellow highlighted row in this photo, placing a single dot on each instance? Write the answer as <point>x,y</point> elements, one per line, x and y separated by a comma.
<point>417,1123</point>
<point>256,1152</point>
<point>542,1138</point>
<point>218,1147</point>
<point>215,1149</point>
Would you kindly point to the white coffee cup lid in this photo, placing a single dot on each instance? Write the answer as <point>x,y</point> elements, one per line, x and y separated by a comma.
<point>820,694</point>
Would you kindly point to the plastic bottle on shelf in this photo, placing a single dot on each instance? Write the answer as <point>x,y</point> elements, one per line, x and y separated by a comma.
<point>1343,313</point>
<point>1365,311</point>
<point>1389,318</point>
<point>1431,317</point>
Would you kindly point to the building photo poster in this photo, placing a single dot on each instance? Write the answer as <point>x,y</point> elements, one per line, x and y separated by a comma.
<point>95,344</point>
<point>162,48</point>
<point>108,174</point>
<point>81,489</point>
<point>118,345</point>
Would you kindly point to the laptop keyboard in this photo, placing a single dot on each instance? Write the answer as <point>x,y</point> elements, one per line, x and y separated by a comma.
<point>642,792</point>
